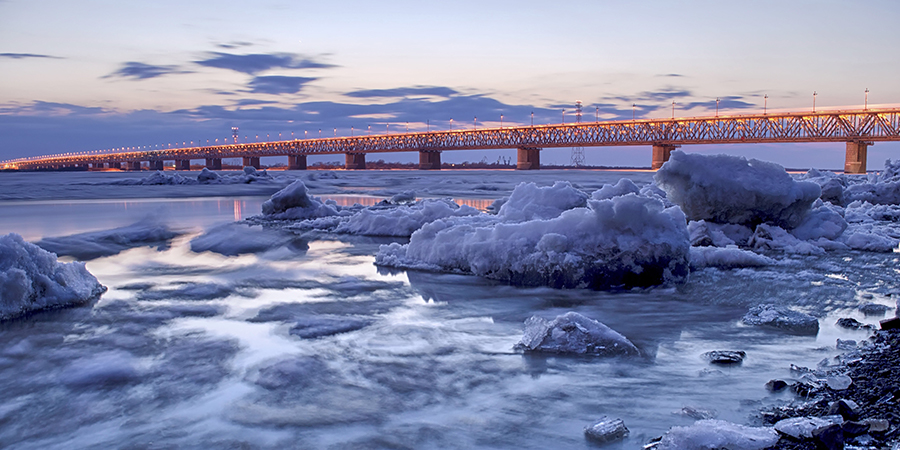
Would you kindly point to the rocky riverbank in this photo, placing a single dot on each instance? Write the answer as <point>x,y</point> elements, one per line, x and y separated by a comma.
<point>829,413</point>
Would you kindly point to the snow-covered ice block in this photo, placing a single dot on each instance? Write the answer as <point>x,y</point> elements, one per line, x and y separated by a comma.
<point>31,279</point>
<point>771,237</point>
<point>727,258</point>
<point>294,202</point>
<point>96,244</point>
<point>402,220</point>
<point>713,434</point>
<point>822,221</point>
<point>783,318</point>
<point>730,189</point>
<point>575,334</point>
<point>232,239</point>
<point>624,186</point>
<point>529,201</point>
<point>606,430</point>
<point>620,242</point>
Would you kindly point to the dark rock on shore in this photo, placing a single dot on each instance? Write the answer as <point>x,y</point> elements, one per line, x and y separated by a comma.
<point>725,357</point>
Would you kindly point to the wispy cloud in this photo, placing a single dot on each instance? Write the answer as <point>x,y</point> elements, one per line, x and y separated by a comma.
<point>260,62</point>
<point>234,45</point>
<point>26,55</point>
<point>278,84</point>
<point>142,71</point>
<point>436,91</point>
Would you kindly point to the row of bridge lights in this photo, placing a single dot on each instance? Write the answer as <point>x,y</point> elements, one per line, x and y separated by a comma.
<point>369,130</point>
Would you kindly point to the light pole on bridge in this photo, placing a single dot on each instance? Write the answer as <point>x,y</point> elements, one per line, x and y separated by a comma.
<point>563,116</point>
<point>766,105</point>
<point>673,109</point>
<point>717,106</point>
<point>866,107</point>
<point>814,100</point>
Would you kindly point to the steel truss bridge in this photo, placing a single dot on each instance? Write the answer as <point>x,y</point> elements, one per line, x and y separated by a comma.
<point>858,128</point>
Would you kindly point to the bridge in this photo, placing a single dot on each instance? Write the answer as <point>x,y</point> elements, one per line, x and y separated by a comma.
<point>858,128</point>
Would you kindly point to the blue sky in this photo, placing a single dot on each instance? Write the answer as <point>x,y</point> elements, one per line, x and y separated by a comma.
<point>92,74</point>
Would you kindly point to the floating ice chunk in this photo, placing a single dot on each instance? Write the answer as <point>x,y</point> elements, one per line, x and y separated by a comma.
<point>495,206</point>
<point>621,242</point>
<point>728,258</point>
<point>730,189</point>
<point>869,239</point>
<point>528,201</point>
<point>401,220</point>
<point>606,430</point>
<point>96,244</point>
<point>31,279</point>
<point>573,333</point>
<point>771,237</point>
<point>839,382</point>
<point>232,239</point>
<point>883,189</point>
<point>404,197</point>
<point>207,176</point>
<point>802,427</point>
<point>718,434</point>
<point>822,221</point>
<point>294,202</point>
<point>624,186</point>
<point>156,179</point>
<point>782,318</point>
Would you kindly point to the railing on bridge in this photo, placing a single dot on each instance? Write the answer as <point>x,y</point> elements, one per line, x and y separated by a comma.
<point>858,128</point>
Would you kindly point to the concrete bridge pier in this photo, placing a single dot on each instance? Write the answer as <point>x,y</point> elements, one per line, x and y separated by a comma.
<point>156,165</point>
<point>117,165</point>
<point>296,162</point>
<point>529,158</point>
<point>855,161</point>
<point>134,165</point>
<point>251,161</point>
<point>355,161</point>
<point>182,164</point>
<point>214,163</point>
<point>97,166</point>
<point>661,154</point>
<point>429,160</point>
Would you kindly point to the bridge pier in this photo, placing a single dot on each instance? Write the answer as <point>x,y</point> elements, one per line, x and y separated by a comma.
<point>296,162</point>
<point>661,154</point>
<point>355,161</point>
<point>116,165</point>
<point>96,166</point>
<point>214,163</point>
<point>529,158</point>
<point>182,164</point>
<point>855,161</point>
<point>134,165</point>
<point>251,161</point>
<point>429,160</point>
<point>156,165</point>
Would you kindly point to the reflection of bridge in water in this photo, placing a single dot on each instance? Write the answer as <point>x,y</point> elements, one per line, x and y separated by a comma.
<point>858,128</point>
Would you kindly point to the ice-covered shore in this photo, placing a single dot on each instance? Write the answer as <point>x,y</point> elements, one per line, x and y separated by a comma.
<point>31,279</point>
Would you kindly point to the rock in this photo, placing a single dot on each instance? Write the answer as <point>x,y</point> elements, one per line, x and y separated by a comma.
<point>852,324</point>
<point>877,425</point>
<point>801,427</point>
<point>848,409</point>
<point>874,309</point>
<point>839,382</point>
<point>852,428</point>
<point>606,430</point>
<point>576,334</point>
<point>776,385</point>
<point>782,318</point>
<point>725,357</point>
<point>697,413</point>
<point>890,324</point>
<point>848,344</point>
<point>829,437</point>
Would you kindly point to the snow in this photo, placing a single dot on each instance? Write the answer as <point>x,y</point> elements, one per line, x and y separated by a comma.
<point>783,318</point>
<point>401,221</point>
<point>729,257</point>
<point>294,202</point>
<point>771,237</point>
<point>620,242</point>
<point>233,239</point>
<point>404,197</point>
<point>622,187</point>
<point>713,434</point>
<point>730,189</point>
<point>573,333</point>
<point>97,244</point>
<point>530,201</point>
<point>206,176</point>
<point>823,221</point>
<point>31,279</point>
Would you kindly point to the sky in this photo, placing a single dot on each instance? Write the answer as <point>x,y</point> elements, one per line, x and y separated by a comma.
<point>81,75</point>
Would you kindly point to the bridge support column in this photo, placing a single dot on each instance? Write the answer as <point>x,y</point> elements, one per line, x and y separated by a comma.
<point>156,165</point>
<point>856,157</point>
<point>97,165</point>
<point>529,158</point>
<point>355,161</point>
<point>296,162</point>
<point>116,165</point>
<point>134,165</point>
<point>661,154</point>
<point>251,161</point>
<point>182,164</point>
<point>429,160</point>
<point>214,163</point>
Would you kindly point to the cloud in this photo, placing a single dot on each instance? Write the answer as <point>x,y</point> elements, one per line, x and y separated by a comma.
<point>234,44</point>
<point>26,55</point>
<point>255,63</point>
<point>141,71</point>
<point>52,109</point>
<point>436,91</point>
<point>252,102</point>
<point>278,84</point>
<point>730,102</point>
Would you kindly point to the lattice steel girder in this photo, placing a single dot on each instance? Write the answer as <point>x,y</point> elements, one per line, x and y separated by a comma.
<point>826,126</point>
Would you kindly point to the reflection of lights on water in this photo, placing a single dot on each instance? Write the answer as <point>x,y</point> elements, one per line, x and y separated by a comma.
<point>237,211</point>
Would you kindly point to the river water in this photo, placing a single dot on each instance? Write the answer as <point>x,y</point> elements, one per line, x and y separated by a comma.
<point>313,346</point>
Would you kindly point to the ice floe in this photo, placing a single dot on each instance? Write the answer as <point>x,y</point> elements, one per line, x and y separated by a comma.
<point>31,279</point>
<point>206,176</point>
<point>783,318</point>
<point>96,244</point>
<point>717,434</point>
<point>573,333</point>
